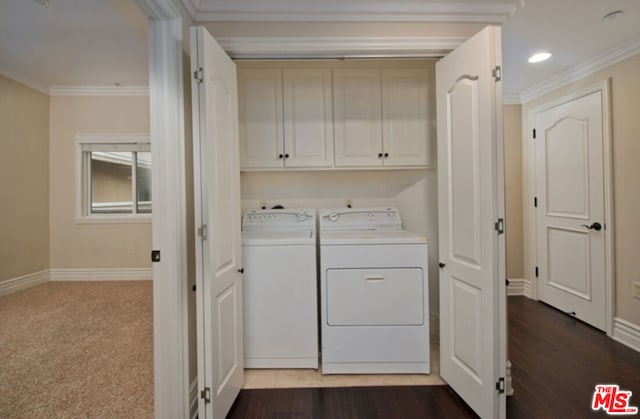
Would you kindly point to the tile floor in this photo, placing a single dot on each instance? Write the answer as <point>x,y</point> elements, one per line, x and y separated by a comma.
<point>302,378</point>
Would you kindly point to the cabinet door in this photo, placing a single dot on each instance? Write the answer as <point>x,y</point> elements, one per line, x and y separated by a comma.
<point>260,114</point>
<point>308,119</point>
<point>357,117</point>
<point>407,140</point>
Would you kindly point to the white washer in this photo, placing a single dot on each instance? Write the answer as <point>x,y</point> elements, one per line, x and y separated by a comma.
<point>280,289</point>
<point>373,293</point>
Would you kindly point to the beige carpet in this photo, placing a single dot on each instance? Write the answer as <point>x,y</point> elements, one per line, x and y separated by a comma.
<point>77,349</point>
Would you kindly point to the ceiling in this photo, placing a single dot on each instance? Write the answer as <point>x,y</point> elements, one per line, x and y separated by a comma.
<point>104,42</point>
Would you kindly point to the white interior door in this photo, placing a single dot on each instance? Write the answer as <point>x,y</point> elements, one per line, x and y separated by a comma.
<point>570,208</point>
<point>217,182</point>
<point>471,202</point>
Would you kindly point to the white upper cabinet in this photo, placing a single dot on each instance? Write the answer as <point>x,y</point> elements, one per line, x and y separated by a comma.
<point>260,114</point>
<point>406,117</point>
<point>286,118</point>
<point>304,117</point>
<point>357,105</point>
<point>308,118</point>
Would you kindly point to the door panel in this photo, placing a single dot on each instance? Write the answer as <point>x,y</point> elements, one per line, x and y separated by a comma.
<point>464,189</point>
<point>567,168</point>
<point>569,271</point>
<point>308,118</point>
<point>467,324</point>
<point>470,200</point>
<point>570,194</point>
<point>405,117</point>
<point>217,202</point>
<point>261,130</point>
<point>358,123</point>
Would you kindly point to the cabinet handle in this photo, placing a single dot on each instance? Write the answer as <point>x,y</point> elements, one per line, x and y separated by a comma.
<point>280,156</point>
<point>379,155</point>
<point>386,155</point>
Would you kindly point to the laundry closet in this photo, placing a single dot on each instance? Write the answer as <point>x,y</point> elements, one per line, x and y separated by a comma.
<point>342,133</point>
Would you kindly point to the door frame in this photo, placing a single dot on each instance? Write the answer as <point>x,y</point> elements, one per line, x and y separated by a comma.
<point>174,395</point>
<point>531,224</point>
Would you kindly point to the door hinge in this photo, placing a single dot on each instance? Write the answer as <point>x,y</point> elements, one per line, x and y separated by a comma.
<point>198,75</point>
<point>535,201</point>
<point>497,73</point>
<point>536,271</point>
<point>534,133</point>
<point>206,395</point>
<point>499,226</point>
<point>202,232</point>
<point>500,385</point>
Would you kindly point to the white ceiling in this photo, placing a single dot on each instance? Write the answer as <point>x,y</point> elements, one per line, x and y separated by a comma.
<point>104,42</point>
<point>73,42</point>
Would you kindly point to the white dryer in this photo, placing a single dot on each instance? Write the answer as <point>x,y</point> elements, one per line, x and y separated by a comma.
<point>373,293</point>
<point>280,288</point>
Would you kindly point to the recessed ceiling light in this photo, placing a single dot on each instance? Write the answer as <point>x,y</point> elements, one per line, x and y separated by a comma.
<point>612,15</point>
<point>539,57</point>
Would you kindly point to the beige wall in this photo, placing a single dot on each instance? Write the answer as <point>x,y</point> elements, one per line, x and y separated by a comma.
<point>625,105</point>
<point>513,189</point>
<point>24,174</point>
<point>76,245</point>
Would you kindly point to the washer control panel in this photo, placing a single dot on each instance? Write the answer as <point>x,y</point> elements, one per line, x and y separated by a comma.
<point>360,219</point>
<point>279,218</point>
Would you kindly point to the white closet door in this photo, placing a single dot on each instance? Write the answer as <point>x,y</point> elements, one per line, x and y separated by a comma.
<point>219,258</point>
<point>471,202</point>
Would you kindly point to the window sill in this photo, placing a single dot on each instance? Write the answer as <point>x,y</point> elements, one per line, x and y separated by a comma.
<point>114,219</point>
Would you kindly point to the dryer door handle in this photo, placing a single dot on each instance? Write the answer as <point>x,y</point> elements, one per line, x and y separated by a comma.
<point>374,279</point>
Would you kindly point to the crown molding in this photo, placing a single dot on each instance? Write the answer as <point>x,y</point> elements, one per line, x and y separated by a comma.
<point>99,91</point>
<point>7,72</point>
<point>353,11</point>
<point>582,70</point>
<point>191,6</point>
<point>281,47</point>
<point>511,99</point>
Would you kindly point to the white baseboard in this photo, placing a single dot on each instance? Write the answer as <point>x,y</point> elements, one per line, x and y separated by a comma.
<point>516,286</point>
<point>101,274</point>
<point>23,282</point>
<point>193,399</point>
<point>434,324</point>
<point>626,333</point>
<point>520,286</point>
<point>528,289</point>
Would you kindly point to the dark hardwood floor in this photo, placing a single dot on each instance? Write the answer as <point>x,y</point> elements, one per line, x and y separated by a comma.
<point>557,361</point>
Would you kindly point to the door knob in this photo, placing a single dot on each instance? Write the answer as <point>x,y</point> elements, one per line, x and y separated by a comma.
<point>594,226</point>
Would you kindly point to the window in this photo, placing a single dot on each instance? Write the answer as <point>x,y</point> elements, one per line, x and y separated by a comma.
<point>114,181</point>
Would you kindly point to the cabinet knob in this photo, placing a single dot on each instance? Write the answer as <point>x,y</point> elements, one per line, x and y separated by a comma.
<point>280,156</point>
<point>286,156</point>
<point>379,155</point>
<point>386,155</point>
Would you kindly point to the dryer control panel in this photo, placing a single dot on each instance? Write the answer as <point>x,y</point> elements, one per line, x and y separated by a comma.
<point>279,219</point>
<point>360,219</point>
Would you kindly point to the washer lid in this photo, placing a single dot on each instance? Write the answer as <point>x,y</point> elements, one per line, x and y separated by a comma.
<point>278,238</point>
<point>366,237</point>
